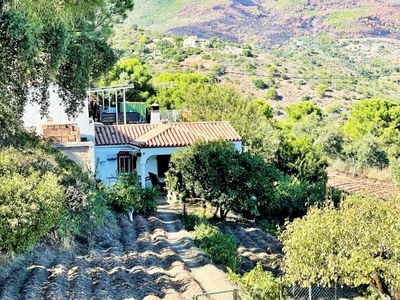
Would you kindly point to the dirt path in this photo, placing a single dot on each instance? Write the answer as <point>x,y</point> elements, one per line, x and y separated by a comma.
<point>149,258</point>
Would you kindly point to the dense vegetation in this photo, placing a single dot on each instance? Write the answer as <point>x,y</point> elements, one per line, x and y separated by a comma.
<point>44,193</point>
<point>355,244</point>
<point>281,174</point>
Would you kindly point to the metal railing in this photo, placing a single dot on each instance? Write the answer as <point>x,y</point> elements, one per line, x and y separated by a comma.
<point>222,295</point>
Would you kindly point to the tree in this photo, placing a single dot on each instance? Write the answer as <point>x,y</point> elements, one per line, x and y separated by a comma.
<point>131,71</point>
<point>366,153</point>
<point>250,117</point>
<point>172,88</point>
<point>302,109</point>
<point>355,244</point>
<point>47,42</point>
<point>378,117</point>
<point>216,172</point>
<point>298,157</point>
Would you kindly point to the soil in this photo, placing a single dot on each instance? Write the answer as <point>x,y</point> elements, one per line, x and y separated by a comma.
<point>149,258</point>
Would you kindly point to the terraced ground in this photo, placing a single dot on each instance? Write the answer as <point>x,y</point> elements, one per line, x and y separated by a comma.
<point>149,258</point>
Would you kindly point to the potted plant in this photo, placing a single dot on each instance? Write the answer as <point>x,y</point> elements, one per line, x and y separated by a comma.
<point>172,186</point>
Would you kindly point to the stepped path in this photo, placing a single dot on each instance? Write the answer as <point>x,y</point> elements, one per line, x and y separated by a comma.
<point>150,258</point>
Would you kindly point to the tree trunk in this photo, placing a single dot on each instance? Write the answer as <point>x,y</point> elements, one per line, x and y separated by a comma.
<point>397,295</point>
<point>380,286</point>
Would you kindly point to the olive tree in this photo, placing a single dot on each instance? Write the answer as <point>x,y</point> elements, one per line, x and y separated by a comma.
<point>355,244</point>
<point>227,179</point>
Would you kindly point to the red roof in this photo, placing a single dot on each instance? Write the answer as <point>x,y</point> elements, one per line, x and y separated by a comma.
<point>164,135</point>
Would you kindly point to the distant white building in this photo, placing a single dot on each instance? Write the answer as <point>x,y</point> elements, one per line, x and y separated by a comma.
<point>190,42</point>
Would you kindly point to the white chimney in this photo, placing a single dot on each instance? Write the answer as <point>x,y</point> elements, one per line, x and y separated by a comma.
<point>155,116</point>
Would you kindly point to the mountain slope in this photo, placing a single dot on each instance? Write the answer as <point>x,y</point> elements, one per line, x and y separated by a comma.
<point>269,22</point>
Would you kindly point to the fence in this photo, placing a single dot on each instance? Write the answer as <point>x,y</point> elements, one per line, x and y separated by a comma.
<point>223,295</point>
<point>314,292</point>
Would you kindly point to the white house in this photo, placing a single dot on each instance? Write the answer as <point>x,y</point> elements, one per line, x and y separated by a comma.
<point>148,147</point>
<point>190,42</point>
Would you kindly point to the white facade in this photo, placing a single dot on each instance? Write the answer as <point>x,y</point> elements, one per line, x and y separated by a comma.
<point>32,117</point>
<point>107,164</point>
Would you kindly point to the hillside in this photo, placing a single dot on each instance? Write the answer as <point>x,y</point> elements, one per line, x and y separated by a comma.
<point>269,22</point>
<point>332,72</point>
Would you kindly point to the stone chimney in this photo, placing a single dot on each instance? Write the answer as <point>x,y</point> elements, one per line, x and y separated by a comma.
<point>155,116</point>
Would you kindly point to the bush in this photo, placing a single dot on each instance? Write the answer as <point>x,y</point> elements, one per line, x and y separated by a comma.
<point>191,220</point>
<point>259,284</point>
<point>260,84</point>
<point>272,94</point>
<point>126,195</point>
<point>220,248</point>
<point>30,206</point>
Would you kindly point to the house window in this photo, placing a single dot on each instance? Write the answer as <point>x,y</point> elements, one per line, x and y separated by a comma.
<point>124,164</point>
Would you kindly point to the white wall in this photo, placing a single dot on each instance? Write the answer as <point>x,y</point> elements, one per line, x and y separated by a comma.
<point>106,161</point>
<point>32,117</point>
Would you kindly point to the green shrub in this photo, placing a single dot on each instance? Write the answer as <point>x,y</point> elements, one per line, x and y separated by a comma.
<point>30,205</point>
<point>190,220</point>
<point>260,84</point>
<point>220,248</point>
<point>272,94</point>
<point>206,56</point>
<point>126,195</point>
<point>258,284</point>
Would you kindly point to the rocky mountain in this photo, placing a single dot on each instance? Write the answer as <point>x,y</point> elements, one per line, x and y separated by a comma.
<point>269,22</point>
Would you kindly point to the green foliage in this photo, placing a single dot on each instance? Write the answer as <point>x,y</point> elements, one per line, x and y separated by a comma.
<point>51,42</point>
<point>214,171</point>
<point>302,109</point>
<point>220,248</point>
<point>300,158</point>
<point>377,117</point>
<point>247,53</point>
<point>321,89</point>
<point>126,195</point>
<point>29,207</point>
<point>130,71</point>
<point>366,153</point>
<point>191,220</point>
<point>272,94</point>
<point>257,283</point>
<point>353,245</point>
<point>395,170</point>
<point>172,88</point>
<point>260,84</point>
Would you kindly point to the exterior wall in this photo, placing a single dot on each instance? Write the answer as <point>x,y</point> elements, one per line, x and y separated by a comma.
<point>32,117</point>
<point>238,146</point>
<point>80,152</point>
<point>106,161</point>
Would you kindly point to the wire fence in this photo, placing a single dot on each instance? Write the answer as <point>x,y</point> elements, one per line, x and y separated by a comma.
<point>312,292</point>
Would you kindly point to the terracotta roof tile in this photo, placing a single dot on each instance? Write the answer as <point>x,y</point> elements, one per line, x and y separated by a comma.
<point>164,135</point>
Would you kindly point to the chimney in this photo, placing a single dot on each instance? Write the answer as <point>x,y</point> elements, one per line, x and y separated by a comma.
<point>155,116</point>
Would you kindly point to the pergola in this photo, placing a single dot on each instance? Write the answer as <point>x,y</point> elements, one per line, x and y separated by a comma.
<point>101,95</point>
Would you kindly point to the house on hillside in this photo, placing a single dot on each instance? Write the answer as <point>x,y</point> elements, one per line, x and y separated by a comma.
<point>120,142</point>
<point>190,42</point>
<point>147,148</point>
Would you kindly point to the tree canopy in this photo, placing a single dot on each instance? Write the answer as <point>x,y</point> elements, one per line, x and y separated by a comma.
<point>64,43</point>
<point>215,171</point>
<point>355,244</point>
